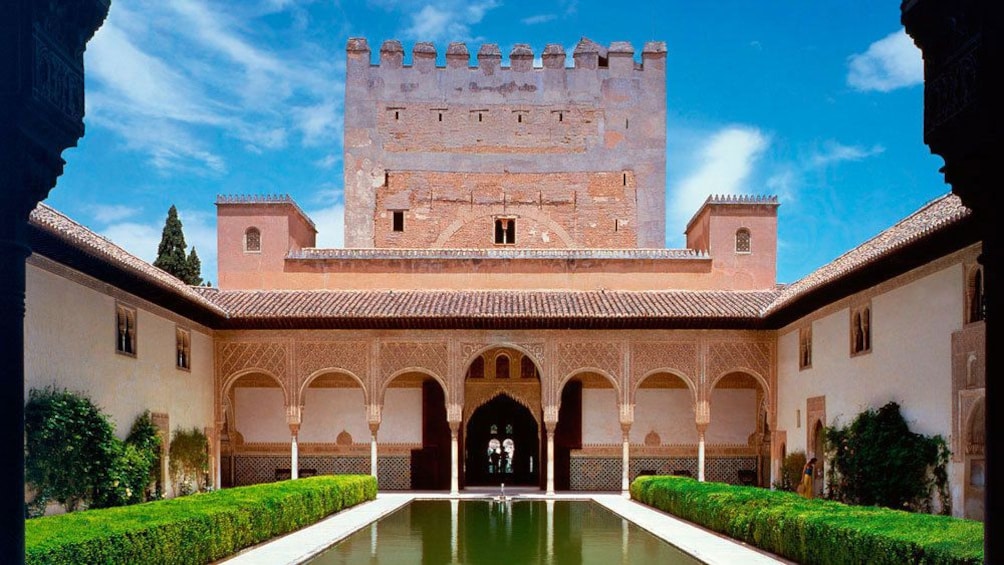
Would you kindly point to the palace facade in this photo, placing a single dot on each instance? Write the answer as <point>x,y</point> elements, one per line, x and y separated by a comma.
<point>504,310</point>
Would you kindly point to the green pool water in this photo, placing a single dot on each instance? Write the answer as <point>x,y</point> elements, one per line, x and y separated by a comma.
<point>515,532</point>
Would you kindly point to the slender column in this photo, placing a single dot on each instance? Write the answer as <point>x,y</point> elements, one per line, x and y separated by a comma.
<point>701,428</point>
<point>373,450</point>
<point>550,531</point>
<point>218,451</point>
<point>550,461</point>
<point>626,463</point>
<point>454,458</point>
<point>294,463</point>
<point>454,529</point>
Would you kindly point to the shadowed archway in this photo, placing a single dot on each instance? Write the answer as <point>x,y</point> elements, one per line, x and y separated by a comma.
<point>502,445</point>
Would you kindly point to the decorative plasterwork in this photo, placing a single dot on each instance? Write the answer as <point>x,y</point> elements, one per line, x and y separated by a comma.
<point>236,357</point>
<point>679,358</point>
<point>576,356</point>
<point>396,356</point>
<point>348,356</point>
<point>741,356</point>
<point>525,392</point>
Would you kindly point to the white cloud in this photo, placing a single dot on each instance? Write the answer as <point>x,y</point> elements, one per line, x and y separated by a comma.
<point>139,239</point>
<point>835,152</point>
<point>538,19</point>
<point>142,239</point>
<point>319,123</point>
<point>890,63</point>
<point>724,163</point>
<point>446,20</point>
<point>330,224</point>
<point>108,213</point>
<point>327,161</point>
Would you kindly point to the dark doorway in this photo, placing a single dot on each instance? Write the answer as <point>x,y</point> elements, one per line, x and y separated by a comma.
<point>568,434</point>
<point>430,466</point>
<point>502,445</point>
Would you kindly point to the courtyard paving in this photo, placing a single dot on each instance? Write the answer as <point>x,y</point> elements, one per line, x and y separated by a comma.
<point>303,544</point>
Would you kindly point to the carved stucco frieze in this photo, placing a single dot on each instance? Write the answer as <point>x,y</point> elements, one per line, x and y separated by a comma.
<point>726,357</point>
<point>235,357</point>
<point>674,357</point>
<point>526,393</point>
<point>350,356</point>
<point>430,356</point>
<point>574,356</point>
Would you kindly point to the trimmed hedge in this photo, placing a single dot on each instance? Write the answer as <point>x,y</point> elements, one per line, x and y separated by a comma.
<point>815,531</point>
<point>200,528</point>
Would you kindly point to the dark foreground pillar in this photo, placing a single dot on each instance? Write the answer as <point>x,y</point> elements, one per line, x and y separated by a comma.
<point>962,43</point>
<point>41,114</point>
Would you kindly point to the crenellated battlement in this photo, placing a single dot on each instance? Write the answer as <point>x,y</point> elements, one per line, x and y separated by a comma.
<point>587,55</point>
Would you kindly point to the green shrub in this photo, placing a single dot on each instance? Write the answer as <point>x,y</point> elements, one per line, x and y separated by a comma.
<point>877,460</point>
<point>791,471</point>
<point>189,461</point>
<point>194,529</point>
<point>815,531</point>
<point>70,446</point>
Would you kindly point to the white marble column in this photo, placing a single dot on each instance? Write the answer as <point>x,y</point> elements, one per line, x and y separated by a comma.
<point>550,461</point>
<point>700,452</point>
<point>454,458</point>
<point>294,463</point>
<point>626,463</point>
<point>373,451</point>
<point>218,455</point>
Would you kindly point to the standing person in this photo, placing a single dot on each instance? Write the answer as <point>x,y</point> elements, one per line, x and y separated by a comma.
<point>807,474</point>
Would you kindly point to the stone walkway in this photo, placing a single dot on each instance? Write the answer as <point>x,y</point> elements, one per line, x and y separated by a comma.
<point>303,544</point>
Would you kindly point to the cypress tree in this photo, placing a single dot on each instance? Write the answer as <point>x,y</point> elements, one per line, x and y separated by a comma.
<point>194,268</point>
<point>171,251</point>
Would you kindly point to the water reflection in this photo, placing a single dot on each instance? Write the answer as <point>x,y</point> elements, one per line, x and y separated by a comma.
<point>504,532</point>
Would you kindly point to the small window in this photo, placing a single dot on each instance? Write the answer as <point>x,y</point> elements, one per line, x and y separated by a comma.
<point>742,240</point>
<point>977,299</point>
<point>183,340</point>
<point>125,329</point>
<point>397,114</point>
<point>440,116</point>
<point>505,231</point>
<point>519,118</point>
<point>861,334</point>
<point>627,123</point>
<point>398,220</point>
<point>805,348</point>
<point>527,368</point>
<point>477,370</point>
<point>252,240</point>
<point>502,367</point>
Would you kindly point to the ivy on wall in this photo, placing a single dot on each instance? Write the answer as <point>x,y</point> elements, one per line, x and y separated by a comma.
<point>189,461</point>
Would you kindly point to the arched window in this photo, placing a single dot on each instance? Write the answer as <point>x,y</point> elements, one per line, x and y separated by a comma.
<point>502,367</point>
<point>527,368</point>
<point>252,240</point>
<point>977,304</point>
<point>477,370</point>
<point>861,330</point>
<point>742,240</point>
<point>858,338</point>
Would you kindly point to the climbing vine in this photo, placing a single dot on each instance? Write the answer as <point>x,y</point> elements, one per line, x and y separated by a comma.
<point>189,461</point>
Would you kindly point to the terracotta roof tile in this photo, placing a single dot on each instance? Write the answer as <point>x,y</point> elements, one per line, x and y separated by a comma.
<point>46,218</point>
<point>932,217</point>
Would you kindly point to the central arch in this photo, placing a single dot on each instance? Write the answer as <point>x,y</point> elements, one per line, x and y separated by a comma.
<point>502,444</point>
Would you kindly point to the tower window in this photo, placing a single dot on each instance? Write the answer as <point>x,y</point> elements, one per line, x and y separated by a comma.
<point>252,240</point>
<point>505,231</point>
<point>440,116</point>
<point>183,340</point>
<point>398,220</point>
<point>397,115</point>
<point>125,329</point>
<point>742,240</point>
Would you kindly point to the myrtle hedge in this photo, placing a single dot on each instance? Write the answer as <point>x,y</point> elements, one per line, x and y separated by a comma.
<point>193,529</point>
<point>815,531</point>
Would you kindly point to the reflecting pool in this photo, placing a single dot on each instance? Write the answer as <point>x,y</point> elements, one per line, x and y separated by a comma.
<point>512,532</point>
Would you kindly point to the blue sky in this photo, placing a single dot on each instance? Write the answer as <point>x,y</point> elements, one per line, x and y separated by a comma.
<point>819,103</point>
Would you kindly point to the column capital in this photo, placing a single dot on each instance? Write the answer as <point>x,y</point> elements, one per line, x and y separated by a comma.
<point>374,415</point>
<point>702,413</point>
<point>374,428</point>
<point>454,413</point>
<point>702,428</point>
<point>294,429</point>
<point>550,417</point>
<point>294,415</point>
<point>626,416</point>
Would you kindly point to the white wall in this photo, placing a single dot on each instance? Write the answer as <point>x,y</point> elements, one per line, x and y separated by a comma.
<point>260,415</point>
<point>70,343</point>
<point>401,419</point>
<point>733,416</point>
<point>600,416</point>
<point>667,412</point>
<point>328,411</point>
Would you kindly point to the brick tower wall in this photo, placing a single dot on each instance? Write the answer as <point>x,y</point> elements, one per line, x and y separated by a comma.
<point>576,156</point>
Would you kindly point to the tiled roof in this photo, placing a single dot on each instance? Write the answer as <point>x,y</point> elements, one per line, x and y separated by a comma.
<point>55,223</point>
<point>539,305</point>
<point>932,217</point>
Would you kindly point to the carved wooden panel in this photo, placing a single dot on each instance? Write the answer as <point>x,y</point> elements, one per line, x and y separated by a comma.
<point>968,376</point>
